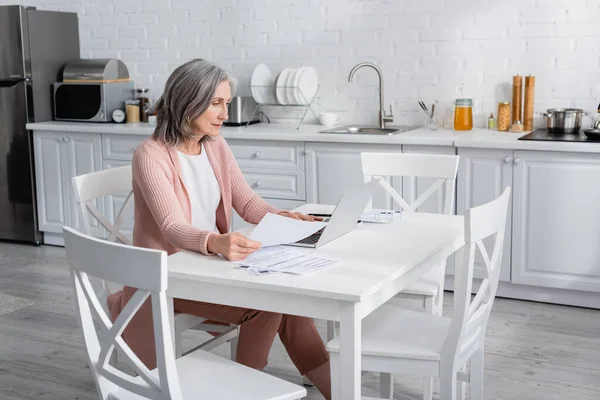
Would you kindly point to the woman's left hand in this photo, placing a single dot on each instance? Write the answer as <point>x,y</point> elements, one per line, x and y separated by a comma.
<point>300,216</point>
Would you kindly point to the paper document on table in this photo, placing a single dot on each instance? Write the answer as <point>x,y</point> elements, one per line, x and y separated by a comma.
<point>381,216</point>
<point>283,259</point>
<point>275,229</point>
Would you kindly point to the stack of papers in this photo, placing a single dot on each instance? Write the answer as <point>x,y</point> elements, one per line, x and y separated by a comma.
<point>280,259</point>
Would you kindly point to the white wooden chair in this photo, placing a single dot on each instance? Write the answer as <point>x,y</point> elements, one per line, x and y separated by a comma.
<point>416,343</point>
<point>429,289</point>
<point>198,375</point>
<point>117,181</point>
<point>443,168</point>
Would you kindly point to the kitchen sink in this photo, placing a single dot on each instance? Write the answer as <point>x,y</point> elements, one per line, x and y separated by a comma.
<point>369,130</point>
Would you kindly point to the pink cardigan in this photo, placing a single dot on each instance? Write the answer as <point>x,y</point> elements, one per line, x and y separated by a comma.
<point>163,219</point>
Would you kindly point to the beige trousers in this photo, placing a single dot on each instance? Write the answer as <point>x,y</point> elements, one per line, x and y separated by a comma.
<point>257,332</point>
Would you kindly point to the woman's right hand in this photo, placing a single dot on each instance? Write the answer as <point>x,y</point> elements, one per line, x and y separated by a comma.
<point>233,246</point>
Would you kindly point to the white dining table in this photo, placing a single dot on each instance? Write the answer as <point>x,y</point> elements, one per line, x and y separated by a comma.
<point>376,262</point>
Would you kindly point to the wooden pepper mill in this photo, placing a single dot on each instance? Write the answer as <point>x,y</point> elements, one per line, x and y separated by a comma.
<point>528,104</point>
<point>517,98</point>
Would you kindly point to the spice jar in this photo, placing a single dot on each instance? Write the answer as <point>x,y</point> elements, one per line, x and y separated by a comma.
<point>132,109</point>
<point>504,116</point>
<point>491,122</point>
<point>517,127</point>
<point>463,115</point>
<point>144,101</point>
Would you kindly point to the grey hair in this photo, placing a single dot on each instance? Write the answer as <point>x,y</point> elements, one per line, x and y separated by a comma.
<point>188,93</point>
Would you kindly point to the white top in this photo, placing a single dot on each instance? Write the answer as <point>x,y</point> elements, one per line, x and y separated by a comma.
<point>202,186</point>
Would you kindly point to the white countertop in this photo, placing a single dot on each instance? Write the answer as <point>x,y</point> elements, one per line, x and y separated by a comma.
<point>485,139</point>
<point>265,131</point>
<point>477,138</point>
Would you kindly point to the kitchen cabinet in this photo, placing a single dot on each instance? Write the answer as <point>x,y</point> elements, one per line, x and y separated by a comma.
<point>51,181</point>
<point>332,168</point>
<point>274,170</point>
<point>483,174</point>
<point>556,214</point>
<point>58,158</point>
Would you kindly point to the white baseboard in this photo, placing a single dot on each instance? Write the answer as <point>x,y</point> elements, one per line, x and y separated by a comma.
<point>54,239</point>
<point>539,294</point>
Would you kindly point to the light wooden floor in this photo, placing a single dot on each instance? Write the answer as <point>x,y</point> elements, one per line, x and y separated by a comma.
<point>534,351</point>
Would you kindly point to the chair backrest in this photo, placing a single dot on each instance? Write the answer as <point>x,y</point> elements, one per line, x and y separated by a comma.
<point>145,269</point>
<point>443,168</point>
<point>471,315</point>
<point>99,184</point>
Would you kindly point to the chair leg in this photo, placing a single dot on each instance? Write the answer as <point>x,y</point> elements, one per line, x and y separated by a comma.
<point>178,344</point>
<point>427,388</point>
<point>335,369</point>
<point>461,393</point>
<point>233,346</point>
<point>428,304</point>
<point>386,386</point>
<point>330,330</point>
<point>476,376</point>
<point>448,383</point>
<point>307,382</point>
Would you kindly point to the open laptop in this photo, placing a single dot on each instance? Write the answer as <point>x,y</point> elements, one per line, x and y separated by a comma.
<point>344,218</point>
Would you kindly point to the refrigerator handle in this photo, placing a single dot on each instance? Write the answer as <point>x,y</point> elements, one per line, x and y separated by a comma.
<point>10,82</point>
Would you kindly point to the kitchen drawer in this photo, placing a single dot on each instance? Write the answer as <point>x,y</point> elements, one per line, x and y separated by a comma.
<point>270,154</point>
<point>120,147</point>
<point>276,184</point>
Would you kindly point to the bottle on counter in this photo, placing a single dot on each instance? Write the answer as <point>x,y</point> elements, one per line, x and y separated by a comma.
<point>517,98</point>
<point>463,115</point>
<point>528,103</point>
<point>142,96</point>
<point>517,127</point>
<point>504,116</point>
<point>491,122</point>
<point>132,109</point>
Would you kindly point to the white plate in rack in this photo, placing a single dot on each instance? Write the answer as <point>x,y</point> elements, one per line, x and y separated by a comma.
<point>296,96</point>
<point>308,83</point>
<point>262,82</point>
<point>291,92</point>
<point>281,90</point>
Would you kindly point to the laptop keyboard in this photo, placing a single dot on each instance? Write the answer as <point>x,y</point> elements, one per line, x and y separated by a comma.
<point>312,239</point>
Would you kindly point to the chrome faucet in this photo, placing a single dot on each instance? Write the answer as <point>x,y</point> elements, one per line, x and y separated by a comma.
<point>383,118</point>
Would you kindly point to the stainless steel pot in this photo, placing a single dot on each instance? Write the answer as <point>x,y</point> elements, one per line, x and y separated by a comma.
<point>563,120</point>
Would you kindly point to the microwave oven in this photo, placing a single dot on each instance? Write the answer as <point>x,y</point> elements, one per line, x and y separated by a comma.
<point>90,101</point>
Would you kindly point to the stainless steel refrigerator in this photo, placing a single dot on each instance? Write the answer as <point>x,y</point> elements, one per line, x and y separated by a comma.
<point>34,45</point>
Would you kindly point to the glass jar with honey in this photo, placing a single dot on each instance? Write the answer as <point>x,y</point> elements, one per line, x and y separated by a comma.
<point>463,115</point>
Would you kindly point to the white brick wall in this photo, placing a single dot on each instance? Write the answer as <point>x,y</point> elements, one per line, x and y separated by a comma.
<point>435,49</point>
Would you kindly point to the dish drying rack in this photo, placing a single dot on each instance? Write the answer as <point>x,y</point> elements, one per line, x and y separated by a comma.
<point>273,109</point>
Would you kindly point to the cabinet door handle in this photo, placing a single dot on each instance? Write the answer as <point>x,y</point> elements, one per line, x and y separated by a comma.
<point>507,159</point>
<point>306,151</point>
<point>60,139</point>
<point>67,139</point>
<point>256,154</point>
<point>258,183</point>
<point>517,160</point>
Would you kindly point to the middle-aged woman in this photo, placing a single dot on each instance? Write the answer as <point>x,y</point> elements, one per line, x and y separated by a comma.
<point>185,183</point>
